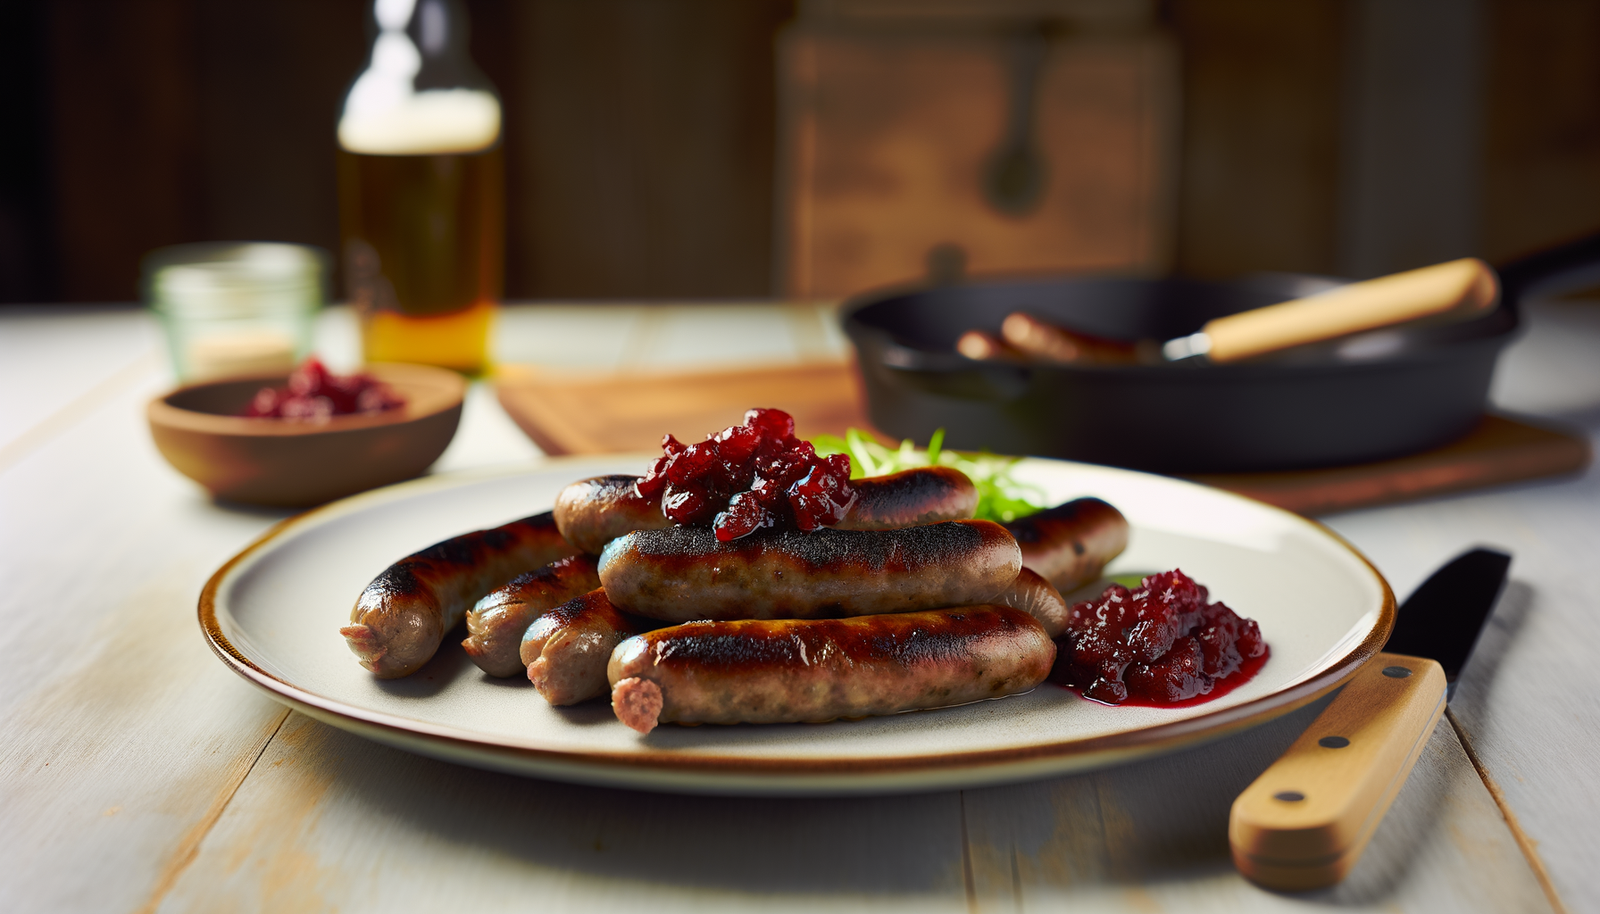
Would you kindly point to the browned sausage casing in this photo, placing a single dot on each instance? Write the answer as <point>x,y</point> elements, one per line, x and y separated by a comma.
<point>593,512</point>
<point>789,671</point>
<point>1032,594</point>
<point>567,649</point>
<point>401,618</point>
<point>495,626</point>
<point>923,495</point>
<point>683,572</point>
<point>1070,544</point>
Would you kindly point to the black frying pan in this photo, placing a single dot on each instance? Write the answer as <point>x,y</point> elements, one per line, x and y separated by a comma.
<point>1370,397</point>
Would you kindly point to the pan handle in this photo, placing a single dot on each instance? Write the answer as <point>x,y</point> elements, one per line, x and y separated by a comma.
<point>1563,268</point>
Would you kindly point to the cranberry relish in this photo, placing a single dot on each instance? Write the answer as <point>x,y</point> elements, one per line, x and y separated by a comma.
<point>749,477</point>
<point>315,393</point>
<point>1163,642</point>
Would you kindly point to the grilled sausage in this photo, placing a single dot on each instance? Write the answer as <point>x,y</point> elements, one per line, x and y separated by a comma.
<point>788,671</point>
<point>567,648</point>
<point>1069,545</point>
<point>1037,597</point>
<point>683,572</point>
<point>495,626</point>
<point>923,495</point>
<point>401,618</point>
<point>593,512</point>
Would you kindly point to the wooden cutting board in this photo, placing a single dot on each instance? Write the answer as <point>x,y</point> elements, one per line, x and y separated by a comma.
<point>567,413</point>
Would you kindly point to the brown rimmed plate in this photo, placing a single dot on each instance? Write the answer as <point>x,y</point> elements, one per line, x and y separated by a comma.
<point>272,614</point>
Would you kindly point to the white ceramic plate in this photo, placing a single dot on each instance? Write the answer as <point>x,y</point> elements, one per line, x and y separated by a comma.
<point>273,612</point>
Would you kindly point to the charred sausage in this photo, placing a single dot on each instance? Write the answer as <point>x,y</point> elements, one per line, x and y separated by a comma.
<point>923,495</point>
<point>787,671</point>
<point>683,573</point>
<point>495,626</point>
<point>567,648</point>
<point>1037,597</point>
<point>1069,545</point>
<point>401,618</point>
<point>593,512</point>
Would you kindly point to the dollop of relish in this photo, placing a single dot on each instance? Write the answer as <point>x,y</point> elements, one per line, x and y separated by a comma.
<point>1162,642</point>
<point>750,477</point>
<point>314,394</point>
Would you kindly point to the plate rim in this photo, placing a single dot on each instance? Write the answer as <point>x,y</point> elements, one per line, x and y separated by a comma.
<point>674,765</point>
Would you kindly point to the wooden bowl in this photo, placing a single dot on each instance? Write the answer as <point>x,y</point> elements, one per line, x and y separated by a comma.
<point>287,463</point>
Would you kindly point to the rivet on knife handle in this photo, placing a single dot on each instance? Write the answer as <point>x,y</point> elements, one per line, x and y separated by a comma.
<point>1306,819</point>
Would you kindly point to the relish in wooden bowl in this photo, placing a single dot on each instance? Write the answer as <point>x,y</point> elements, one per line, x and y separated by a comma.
<point>278,462</point>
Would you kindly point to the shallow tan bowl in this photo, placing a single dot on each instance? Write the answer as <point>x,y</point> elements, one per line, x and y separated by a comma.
<point>285,463</point>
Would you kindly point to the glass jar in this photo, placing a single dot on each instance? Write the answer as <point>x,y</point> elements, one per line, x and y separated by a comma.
<point>235,309</point>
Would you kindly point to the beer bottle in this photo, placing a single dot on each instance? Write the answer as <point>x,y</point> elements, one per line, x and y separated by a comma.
<point>421,190</point>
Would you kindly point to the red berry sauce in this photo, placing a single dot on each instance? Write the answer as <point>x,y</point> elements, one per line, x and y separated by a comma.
<point>314,394</point>
<point>1161,644</point>
<point>750,477</point>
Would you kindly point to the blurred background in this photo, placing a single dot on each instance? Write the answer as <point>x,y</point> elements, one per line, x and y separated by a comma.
<point>717,149</point>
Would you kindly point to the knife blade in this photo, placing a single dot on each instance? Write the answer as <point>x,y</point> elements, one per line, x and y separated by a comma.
<point>1305,821</point>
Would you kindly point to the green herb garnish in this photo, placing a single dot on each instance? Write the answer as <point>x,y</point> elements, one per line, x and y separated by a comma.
<point>1000,497</point>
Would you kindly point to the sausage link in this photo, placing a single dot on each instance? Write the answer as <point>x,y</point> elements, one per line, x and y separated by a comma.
<point>790,671</point>
<point>593,512</point>
<point>567,649</point>
<point>495,626</point>
<point>923,495</point>
<point>683,572</point>
<point>1070,544</point>
<point>401,618</point>
<point>1032,594</point>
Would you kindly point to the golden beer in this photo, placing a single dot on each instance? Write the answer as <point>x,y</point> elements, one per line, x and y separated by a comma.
<point>424,252</point>
<point>422,190</point>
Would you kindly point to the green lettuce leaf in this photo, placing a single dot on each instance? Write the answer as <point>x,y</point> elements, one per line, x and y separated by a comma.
<point>1000,497</point>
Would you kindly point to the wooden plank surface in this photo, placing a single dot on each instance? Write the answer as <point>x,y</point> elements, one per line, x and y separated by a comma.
<point>628,413</point>
<point>329,821</point>
<point>1146,837</point>
<point>137,773</point>
<point>1501,449</point>
<point>124,737</point>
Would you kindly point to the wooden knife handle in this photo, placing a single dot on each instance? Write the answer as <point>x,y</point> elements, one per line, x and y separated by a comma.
<point>1305,821</point>
<point>1458,289</point>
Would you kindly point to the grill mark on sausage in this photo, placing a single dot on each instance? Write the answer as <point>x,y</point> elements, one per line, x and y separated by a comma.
<point>496,624</point>
<point>567,649</point>
<point>922,495</point>
<point>1070,544</point>
<point>593,512</point>
<point>401,618</point>
<point>683,572</point>
<point>772,671</point>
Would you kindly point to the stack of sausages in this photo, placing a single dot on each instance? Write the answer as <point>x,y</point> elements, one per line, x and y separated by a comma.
<point>907,603</point>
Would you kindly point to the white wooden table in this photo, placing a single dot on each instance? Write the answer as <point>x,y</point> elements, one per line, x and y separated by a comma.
<point>138,774</point>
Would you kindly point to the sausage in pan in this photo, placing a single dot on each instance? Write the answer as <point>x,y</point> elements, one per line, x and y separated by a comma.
<point>567,648</point>
<point>401,617</point>
<point>495,626</point>
<point>1070,544</point>
<point>683,573</point>
<point>787,671</point>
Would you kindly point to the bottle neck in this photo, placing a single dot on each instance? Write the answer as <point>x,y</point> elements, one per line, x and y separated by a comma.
<point>420,92</point>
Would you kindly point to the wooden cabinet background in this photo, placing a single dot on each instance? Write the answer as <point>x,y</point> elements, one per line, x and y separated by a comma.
<point>641,135</point>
